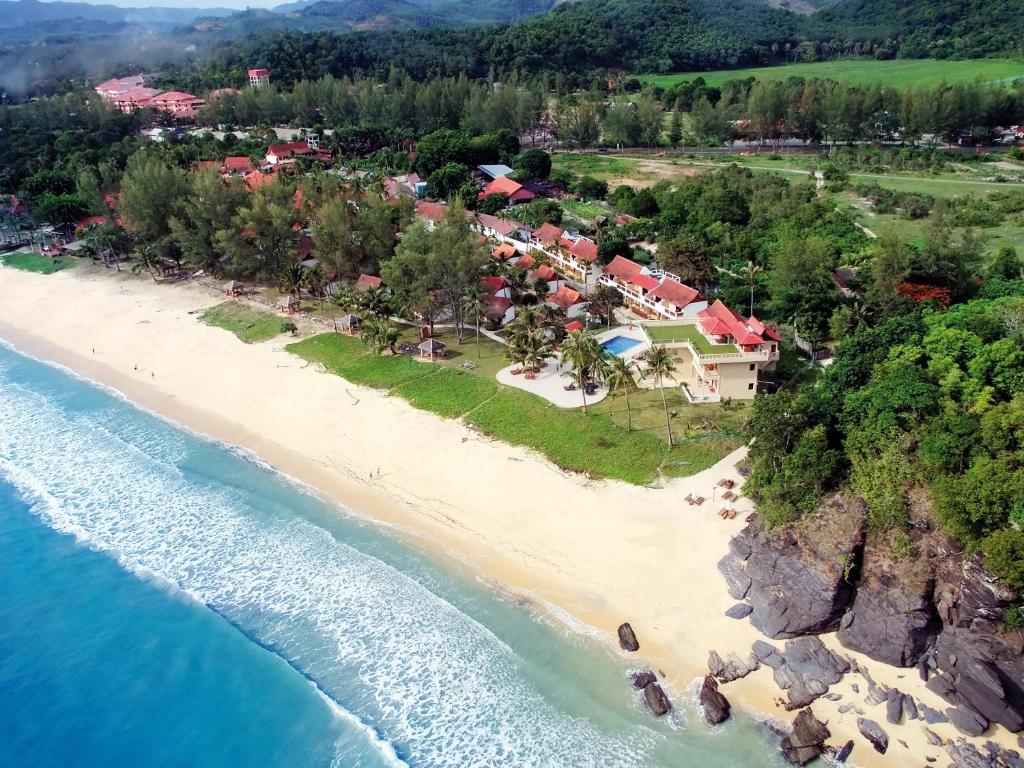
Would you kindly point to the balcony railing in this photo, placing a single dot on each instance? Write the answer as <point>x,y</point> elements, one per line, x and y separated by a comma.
<point>639,298</point>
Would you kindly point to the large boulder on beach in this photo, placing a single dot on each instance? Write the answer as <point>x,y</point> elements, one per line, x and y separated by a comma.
<point>642,678</point>
<point>806,741</point>
<point>713,704</point>
<point>892,618</point>
<point>873,732</point>
<point>627,638</point>
<point>808,670</point>
<point>656,699</point>
<point>732,667</point>
<point>799,571</point>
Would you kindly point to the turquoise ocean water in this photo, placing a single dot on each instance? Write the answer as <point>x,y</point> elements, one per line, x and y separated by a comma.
<point>167,601</point>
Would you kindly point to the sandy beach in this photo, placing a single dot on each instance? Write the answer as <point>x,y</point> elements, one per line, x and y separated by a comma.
<point>602,552</point>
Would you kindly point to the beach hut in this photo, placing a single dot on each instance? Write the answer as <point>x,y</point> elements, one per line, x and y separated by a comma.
<point>431,349</point>
<point>351,324</point>
<point>234,288</point>
<point>289,305</point>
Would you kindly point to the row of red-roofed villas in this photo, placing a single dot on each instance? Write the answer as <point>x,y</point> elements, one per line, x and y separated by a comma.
<point>720,353</point>
<point>128,94</point>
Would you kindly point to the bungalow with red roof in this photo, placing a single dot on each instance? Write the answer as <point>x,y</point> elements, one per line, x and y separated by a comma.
<point>496,286</point>
<point>499,310</point>
<point>504,252</point>
<point>505,231</point>
<point>544,272</point>
<point>237,164</point>
<point>503,185</point>
<point>568,299</point>
<point>289,150</point>
<point>367,283</point>
<point>547,235</point>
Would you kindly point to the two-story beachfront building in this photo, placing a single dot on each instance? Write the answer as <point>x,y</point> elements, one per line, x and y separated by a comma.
<point>718,352</point>
<point>650,293</point>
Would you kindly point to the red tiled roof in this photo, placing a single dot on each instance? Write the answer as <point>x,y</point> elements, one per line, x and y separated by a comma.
<point>501,226</point>
<point>526,261</point>
<point>238,163</point>
<point>564,297</point>
<point>642,281</point>
<point>368,281</point>
<point>258,72</point>
<point>719,320</point>
<point>505,251</point>
<point>575,325</point>
<point>502,185</point>
<point>255,180</point>
<point>432,211</point>
<point>174,96</point>
<point>493,284</point>
<point>584,250</point>
<point>497,306</point>
<point>543,272</point>
<point>547,233</point>
<point>622,268</point>
<point>674,292</point>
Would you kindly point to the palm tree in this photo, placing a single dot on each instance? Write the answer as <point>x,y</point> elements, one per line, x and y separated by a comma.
<point>375,300</point>
<point>292,278</point>
<point>622,375</point>
<point>584,353</point>
<point>316,282</point>
<point>475,303</point>
<point>344,299</point>
<point>378,334</point>
<point>660,364</point>
<point>147,258</point>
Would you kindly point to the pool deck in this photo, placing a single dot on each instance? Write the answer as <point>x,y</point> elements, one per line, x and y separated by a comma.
<point>550,384</point>
<point>636,333</point>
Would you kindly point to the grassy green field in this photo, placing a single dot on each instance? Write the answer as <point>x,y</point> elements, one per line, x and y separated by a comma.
<point>598,445</point>
<point>248,324</point>
<point>899,73</point>
<point>34,262</point>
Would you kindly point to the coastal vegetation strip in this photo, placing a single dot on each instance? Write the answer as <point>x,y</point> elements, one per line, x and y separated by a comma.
<point>248,324</point>
<point>899,73</point>
<point>598,445</point>
<point>29,261</point>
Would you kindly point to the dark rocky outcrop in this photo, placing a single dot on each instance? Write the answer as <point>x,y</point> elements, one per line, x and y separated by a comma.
<point>627,638</point>
<point>739,611</point>
<point>731,668</point>
<point>873,732</point>
<point>894,707</point>
<point>965,755</point>
<point>844,752</point>
<point>735,573</point>
<point>714,705</point>
<point>933,738</point>
<point>806,741</point>
<point>892,618</point>
<point>642,679</point>
<point>656,699</point>
<point>809,669</point>
<point>966,720</point>
<point>799,572</point>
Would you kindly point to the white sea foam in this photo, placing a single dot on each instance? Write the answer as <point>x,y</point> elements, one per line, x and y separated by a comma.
<point>428,684</point>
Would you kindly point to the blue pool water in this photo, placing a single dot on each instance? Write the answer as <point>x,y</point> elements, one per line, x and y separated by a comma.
<point>616,345</point>
<point>167,601</point>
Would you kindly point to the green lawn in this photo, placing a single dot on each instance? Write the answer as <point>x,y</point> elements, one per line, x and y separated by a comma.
<point>585,210</point>
<point>598,445</point>
<point>900,73</point>
<point>248,324</point>
<point>602,167</point>
<point>667,334</point>
<point>34,262</point>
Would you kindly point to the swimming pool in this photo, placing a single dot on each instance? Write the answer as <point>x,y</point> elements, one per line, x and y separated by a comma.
<point>616,345</point>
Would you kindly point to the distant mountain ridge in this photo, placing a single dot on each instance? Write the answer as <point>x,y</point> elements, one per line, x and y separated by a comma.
<point>365,15</point>
<point>22,13</point>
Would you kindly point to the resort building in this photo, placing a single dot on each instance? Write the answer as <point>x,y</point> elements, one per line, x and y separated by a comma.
<point>259,78</point>
<point>504,231</point>
<point>572,255</point>
<point>177,104</point>
<point>718,352</point>
<point>503,185</point>
<point>110,90</point>
<point>288,151</point>
<point>654,294</point>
